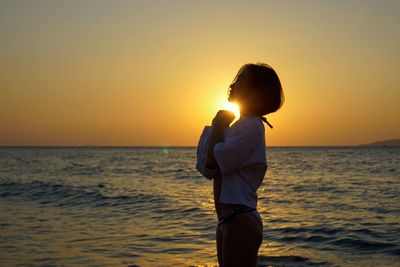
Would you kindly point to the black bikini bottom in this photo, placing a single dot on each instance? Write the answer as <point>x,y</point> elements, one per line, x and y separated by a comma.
<point>241,208</point>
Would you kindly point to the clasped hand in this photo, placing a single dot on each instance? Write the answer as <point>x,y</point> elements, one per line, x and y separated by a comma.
<point>223,118</point>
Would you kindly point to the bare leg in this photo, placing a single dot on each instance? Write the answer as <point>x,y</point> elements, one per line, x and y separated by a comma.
<point>219,246</point>
<point>242,239</point>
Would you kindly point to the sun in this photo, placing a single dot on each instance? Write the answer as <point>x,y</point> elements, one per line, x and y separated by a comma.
<point>232,107</point>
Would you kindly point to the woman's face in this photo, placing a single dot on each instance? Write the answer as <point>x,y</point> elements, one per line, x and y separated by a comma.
<point>238,88</point>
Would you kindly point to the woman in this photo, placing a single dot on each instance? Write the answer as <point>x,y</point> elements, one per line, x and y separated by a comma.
<point>235,157</point>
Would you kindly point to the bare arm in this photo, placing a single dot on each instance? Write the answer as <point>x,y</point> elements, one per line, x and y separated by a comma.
<point>217,136</point>
<point>220,122</point>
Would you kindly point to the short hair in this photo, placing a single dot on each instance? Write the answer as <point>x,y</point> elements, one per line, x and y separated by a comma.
<point>265,89</point>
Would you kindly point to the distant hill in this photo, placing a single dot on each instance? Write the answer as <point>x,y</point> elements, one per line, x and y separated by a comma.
<point>385,143</point>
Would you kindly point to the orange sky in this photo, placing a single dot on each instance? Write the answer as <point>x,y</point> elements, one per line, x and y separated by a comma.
<point>155,72</point>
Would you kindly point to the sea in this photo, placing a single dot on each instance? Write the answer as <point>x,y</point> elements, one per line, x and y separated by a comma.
<point>148,206</point>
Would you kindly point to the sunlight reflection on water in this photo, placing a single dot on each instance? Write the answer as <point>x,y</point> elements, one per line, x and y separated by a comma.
<point>146,207</point>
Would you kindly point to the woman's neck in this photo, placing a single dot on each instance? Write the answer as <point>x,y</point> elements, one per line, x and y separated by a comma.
<point>245,114</point>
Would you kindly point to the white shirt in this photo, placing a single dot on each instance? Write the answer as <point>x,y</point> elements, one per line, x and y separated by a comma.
<point>241,159</point>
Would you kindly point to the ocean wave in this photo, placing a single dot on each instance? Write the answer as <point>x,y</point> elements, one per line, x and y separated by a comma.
<point>289,261</point>
<point>58,194</point>
<point>362,244</point>
<point>331,238</point>
<point>82,169</point>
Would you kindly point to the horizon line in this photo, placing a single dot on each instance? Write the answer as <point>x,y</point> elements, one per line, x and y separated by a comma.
<point>159,146</point>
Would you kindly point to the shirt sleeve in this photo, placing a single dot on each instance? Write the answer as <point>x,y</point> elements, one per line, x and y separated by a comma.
<point>235,151</point>
<point>201,154</point>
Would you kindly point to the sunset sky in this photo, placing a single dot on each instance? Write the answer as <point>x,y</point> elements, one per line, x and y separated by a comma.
<point>139,73</point>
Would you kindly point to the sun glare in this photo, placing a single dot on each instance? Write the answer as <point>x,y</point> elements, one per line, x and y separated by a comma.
<point>232,107</point>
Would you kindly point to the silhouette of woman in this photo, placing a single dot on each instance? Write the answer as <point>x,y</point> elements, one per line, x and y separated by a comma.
<point>235,158</point>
